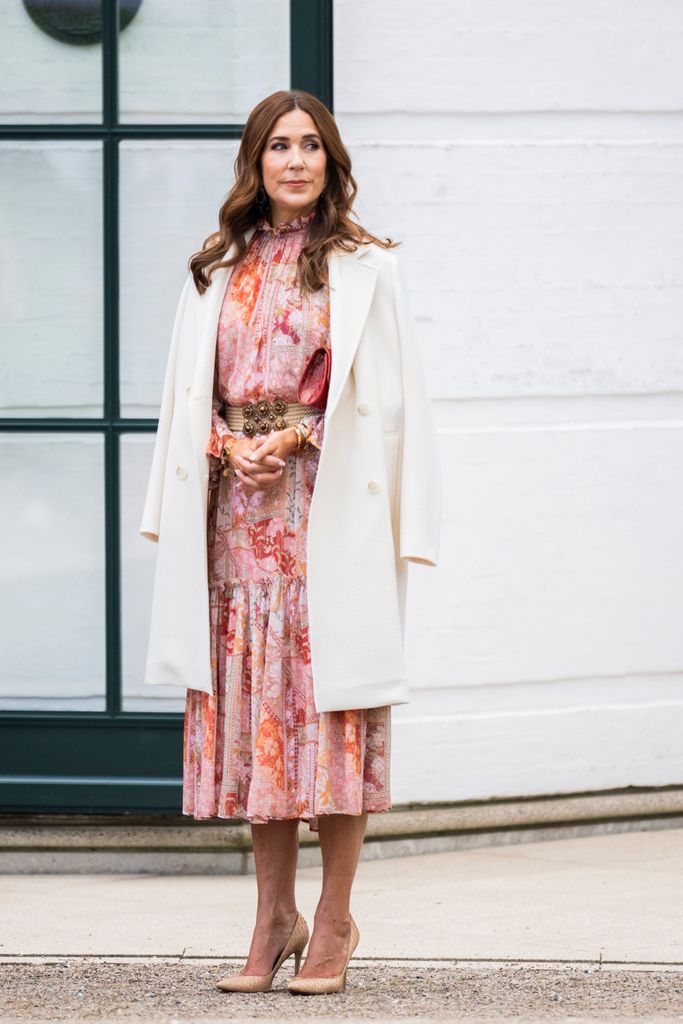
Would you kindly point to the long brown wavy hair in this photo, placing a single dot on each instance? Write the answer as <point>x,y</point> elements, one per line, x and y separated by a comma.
<point>331,228</point>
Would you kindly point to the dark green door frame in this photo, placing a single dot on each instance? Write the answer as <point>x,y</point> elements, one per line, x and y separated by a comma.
<point>118,761</point>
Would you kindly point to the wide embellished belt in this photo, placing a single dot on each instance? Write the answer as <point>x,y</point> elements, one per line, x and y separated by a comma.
<point>263,416</point>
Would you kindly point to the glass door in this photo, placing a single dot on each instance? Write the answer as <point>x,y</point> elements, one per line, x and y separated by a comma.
<point>119,126</point>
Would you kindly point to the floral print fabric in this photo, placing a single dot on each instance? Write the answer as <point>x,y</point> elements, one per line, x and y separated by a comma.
<point>257,749</point>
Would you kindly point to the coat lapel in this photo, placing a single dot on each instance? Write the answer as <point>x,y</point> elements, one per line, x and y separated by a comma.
<point>208,314</point>
<point>352,286</point>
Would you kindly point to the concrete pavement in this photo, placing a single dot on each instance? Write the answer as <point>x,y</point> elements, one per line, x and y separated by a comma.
<point>558,929</point>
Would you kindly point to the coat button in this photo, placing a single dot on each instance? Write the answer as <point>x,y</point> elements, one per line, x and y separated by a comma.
<point>188,389</point>
<point>363,408</point>
<point>373,485</point>
<point>181,472</point>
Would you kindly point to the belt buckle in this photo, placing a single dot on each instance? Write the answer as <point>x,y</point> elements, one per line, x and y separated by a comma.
<point>263,416</point>
<point>248,424</point>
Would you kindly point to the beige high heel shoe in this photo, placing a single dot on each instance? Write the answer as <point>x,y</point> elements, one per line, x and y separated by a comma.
<point>263,982</point>
<point>321,986</point>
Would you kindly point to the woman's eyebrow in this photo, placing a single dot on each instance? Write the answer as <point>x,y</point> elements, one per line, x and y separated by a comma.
<point>285,138</point>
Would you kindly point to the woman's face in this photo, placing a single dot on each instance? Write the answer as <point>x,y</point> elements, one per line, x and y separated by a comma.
<point>293,153</point>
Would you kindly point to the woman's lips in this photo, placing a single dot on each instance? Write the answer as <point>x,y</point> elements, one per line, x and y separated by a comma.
<point>296,184</point>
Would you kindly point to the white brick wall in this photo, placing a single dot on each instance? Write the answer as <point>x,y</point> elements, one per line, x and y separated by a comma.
<point>529,154</point>
<point>530,157</point>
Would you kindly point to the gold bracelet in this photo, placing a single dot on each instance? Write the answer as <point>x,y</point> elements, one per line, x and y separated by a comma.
<point>302,432</point>
<point>299,436</point>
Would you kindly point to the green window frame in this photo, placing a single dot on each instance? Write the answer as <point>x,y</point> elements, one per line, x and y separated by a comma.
<point>116,761</point>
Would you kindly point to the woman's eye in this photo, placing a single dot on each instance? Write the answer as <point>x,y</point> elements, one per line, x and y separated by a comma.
<point>314,144</point>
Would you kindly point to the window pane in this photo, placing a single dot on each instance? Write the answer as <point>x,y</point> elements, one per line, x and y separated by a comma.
<point>52,617</point>
<point>51,284</point>
<point>138,556</point>
<point>170,196</point>
<point>43,78</point>
<point>202,61</point>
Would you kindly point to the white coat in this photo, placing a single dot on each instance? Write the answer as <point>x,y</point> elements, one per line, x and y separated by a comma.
<point>376,502</point>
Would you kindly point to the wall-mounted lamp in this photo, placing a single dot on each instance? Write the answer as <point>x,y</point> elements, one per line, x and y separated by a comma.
<point>77,22</point>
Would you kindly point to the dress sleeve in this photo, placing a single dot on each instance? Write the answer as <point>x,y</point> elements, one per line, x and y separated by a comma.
<point>219,431</point>
<point>219,428</point>
<point>316,422</point>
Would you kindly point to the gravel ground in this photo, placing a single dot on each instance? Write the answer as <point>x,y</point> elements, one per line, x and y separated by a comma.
<point>175,992</point>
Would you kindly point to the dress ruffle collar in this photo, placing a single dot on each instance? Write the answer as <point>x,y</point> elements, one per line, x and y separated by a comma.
<point>298,223</point>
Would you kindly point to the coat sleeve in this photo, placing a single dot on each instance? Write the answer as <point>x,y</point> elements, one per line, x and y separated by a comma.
<point>149,525</point>
<point>420,484</point>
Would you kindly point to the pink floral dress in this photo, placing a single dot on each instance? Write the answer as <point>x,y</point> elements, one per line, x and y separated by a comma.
<point>257,749</point>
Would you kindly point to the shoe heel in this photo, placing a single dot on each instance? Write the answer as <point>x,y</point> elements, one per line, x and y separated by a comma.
<point>298,953</point>
<point>310,986</point>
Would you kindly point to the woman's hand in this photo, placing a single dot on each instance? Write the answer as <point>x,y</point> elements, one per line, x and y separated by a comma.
<point>259,464</point>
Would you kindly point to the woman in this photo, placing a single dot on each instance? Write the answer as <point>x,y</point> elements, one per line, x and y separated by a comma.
<point>304,557</point>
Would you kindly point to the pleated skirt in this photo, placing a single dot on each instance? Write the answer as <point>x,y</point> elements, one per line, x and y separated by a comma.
<point>257,750</point>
